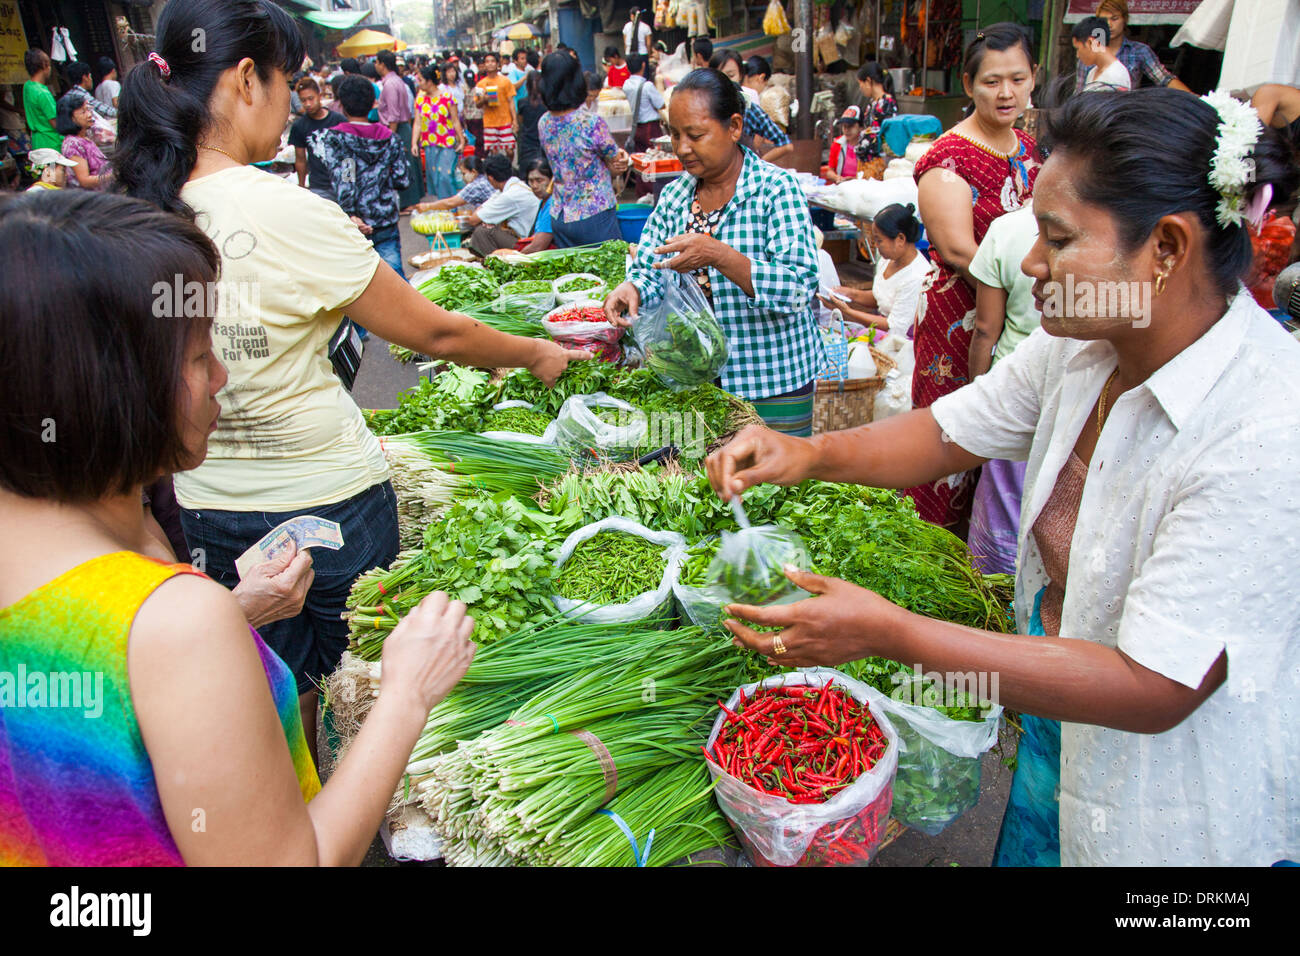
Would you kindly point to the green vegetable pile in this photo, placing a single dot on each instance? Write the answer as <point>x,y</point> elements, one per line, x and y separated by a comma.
<point>456,286</point>
<point>607,260</point>
<point>611,567</point>
<point>526,421</point>
<point>695,566</point>
<point>688,349</point>
<point>493,555</point>
<point>577,283</point>
<point>457,398</point>
<point>525,287</point>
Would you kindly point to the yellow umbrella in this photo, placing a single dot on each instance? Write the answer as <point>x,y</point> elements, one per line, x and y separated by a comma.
<point>522,31</point>
<point>368,42</point>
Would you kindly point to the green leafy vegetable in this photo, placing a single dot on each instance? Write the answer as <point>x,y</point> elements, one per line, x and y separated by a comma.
<point>611,567</point>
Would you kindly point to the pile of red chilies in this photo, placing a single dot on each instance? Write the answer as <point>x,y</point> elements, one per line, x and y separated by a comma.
<point>589,313</point>
<point>802,743</point>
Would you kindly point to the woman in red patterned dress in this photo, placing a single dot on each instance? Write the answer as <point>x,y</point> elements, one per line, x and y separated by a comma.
<point>975,172</point>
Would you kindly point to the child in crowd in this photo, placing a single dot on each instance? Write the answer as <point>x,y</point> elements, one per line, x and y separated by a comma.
<point>367,166</point>
<point>843,162</point>
<point>1090,37</point>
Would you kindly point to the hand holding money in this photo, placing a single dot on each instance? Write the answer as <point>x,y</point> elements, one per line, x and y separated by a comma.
<point>296,534</point>
<point>275,590</point>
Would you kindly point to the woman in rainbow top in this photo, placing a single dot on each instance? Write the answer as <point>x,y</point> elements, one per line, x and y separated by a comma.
<point>142,719</point>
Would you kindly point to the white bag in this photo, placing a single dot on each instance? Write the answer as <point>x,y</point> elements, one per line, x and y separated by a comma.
<point>545,438</point>
<point>895,398</point>
<point>650,604</point>
<point>577,295</point>
<point>580,431</point>
<point>777,832</point>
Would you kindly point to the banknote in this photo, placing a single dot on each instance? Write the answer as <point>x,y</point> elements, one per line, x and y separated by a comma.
<point>305,531</point>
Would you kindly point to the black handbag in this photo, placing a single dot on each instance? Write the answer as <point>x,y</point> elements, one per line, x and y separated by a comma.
<point>345,352</point>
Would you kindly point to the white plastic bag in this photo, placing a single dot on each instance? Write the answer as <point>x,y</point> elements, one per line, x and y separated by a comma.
<point>776,832</point>
<point>528,305</point>
<point>581,432</point>
<point>894,398</point>
<point>938,764</point>
<point>596,291</point>
<point>681,340</point>
<point>656,604</point>
<point>545,438</point>
<point>599,336</point>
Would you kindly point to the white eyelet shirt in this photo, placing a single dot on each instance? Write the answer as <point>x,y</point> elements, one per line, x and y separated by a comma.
<point>1187,543</point>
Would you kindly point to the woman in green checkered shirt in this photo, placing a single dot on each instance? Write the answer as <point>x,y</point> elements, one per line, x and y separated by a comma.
<point>739,226</point>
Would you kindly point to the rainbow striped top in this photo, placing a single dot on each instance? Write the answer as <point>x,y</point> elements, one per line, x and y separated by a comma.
<point>76,784</point>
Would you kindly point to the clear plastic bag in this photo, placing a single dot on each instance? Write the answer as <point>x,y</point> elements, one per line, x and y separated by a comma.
<point>698,603</point>
<point>749,566</point>
<point>776,832</point>
<point>596,291</point>
<point>526,305</point>
<point>584,428</point>
<point>597,336</point>
<point>938,764</point>
<point>681,340</point>
<point>545,438</point>
<point>654,605</point>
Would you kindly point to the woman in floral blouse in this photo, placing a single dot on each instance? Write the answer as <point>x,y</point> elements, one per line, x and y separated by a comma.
<point>74,120</point>
<point>436,131</point>
<point>875,85</point>
<point>582,153</point>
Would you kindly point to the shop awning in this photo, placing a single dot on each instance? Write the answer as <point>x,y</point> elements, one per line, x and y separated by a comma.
<point>336,19</point>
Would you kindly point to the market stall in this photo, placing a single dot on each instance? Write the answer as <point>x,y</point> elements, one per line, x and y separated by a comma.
<point>577,524</point>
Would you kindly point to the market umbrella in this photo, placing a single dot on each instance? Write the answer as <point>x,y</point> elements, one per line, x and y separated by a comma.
<point>369,42</point>
<point>521,31</point>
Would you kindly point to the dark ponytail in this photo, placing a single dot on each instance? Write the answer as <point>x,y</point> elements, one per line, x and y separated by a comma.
<point>873,71</point>
<point>160,118</point>
<point>896,220</point>
<point>1146,154</point>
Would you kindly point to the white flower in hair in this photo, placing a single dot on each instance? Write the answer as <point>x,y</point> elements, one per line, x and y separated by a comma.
<point>1232,167</point>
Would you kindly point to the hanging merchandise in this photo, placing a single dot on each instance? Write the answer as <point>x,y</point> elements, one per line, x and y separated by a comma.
<point>775,22</point>
<point>665,14</point>
<point>61,48</point>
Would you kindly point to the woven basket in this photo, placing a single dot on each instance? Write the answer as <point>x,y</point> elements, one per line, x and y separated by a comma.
<point>847,404</point>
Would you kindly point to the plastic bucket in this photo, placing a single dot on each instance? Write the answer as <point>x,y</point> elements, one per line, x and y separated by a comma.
<point>631,220</point>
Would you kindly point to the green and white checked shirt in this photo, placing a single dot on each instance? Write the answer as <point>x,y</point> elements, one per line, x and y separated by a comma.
<point>773,340</point>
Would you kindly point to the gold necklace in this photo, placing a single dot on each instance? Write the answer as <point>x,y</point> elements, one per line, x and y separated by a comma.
<point>218,149</point>
<point>1101,406</point>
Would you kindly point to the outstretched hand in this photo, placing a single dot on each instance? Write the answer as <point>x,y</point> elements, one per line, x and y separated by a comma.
<point>840,622</point>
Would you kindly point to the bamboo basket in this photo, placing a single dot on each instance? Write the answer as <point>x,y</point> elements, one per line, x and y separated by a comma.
<point>847,404</point>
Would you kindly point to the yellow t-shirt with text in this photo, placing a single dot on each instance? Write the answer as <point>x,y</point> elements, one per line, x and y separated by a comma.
<point>290,436</point>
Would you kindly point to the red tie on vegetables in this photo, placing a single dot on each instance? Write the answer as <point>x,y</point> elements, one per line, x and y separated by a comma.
<point>800,743</point>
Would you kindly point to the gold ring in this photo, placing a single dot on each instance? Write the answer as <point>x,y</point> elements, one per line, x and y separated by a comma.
<point>778,646</point>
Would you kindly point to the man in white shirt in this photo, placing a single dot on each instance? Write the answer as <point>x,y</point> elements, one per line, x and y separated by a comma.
<point>1090,37</point>
<point>636,35</point>
<point>646,101</point>
<point>508,214</point>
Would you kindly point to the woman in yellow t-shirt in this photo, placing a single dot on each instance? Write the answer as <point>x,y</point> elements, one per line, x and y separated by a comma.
<point>291,441</point>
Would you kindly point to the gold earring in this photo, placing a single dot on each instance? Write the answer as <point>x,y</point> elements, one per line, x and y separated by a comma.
<point>1160,282</point>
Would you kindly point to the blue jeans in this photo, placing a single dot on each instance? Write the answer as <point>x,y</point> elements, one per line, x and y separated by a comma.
<point>311,643</point>
<point>439,163</point>
<point>388,243</point>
